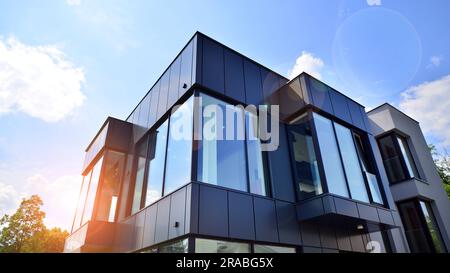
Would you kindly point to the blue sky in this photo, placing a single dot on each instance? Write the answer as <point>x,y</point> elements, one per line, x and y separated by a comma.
<point>99,57</point>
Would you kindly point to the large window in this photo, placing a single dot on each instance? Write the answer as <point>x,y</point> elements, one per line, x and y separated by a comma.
<point>304,160</point>
<point>331,160</point>
<point>81,201</point>
<point>215,246</point>
<point>179,147</point>
<point>92,192</point>
<point>141,159</point>
<point>156,159</point>
<point>397,158</point>
<point>420,225</point>
<point>175,247</point>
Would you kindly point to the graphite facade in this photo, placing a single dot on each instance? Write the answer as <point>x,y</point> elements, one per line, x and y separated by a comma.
<point>324,189</point>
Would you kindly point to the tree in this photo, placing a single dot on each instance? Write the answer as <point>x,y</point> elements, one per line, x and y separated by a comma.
<point>442,162</point>
<point>24,231</point>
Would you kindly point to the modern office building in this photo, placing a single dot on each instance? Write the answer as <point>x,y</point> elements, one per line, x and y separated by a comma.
<point>324,189</point>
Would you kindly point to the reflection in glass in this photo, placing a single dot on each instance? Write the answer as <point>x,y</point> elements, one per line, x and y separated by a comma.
<point>409,162</point>
<point>416,233</point>
<point>306,169</point>
<point>141,154</point>
<point>432,227</point>
<point>81,201</point>
<point>179,149</point>
<point>255,158</point>
<point>221,161</point>
<point>350,159</point>
<point>330,156</point>
<point>90,199</point>
<point>214,246</point>
<point>175,247</point>
<point>272,249</point>
<point>391,159</point>
<point>156,158</point>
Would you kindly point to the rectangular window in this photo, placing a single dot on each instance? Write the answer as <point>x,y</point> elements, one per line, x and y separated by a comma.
<point>272,249</point>
<point>91,195</point>
<point>214,246</point>
<point>397,158</point>
<point>351,162</point>
<point>179,147</point>
<point>304,160</point>
<point>432,226</point>
<point>81,201</point>
<point>156,159</point>
<point>330,156</point>
<point>141,159</point>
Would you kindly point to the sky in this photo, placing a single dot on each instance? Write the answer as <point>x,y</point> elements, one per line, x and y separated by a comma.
<point>65,65</point>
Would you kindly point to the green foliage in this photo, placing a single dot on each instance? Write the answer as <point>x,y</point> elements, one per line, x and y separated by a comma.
<point>24,231</point>
<point>442,162</point>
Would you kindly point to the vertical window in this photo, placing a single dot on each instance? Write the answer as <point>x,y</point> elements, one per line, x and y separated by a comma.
<point>432,226</point>
<point>110,186</point>
<point>256,163</point>
<point>81,201</point>
<point>407,157</point>
<point>306,170</point>
<point>90,199</point>
<point>156,158</point>
<point>397,158</point>
<point>179,149</point>
<point>214,246</point>
<point>330,156</point>
<point>222,160</point>
<point>350,159</point>
<point>141,158</point>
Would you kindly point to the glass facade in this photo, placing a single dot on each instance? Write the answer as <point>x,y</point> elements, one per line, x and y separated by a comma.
<point>432,226</point>
<point>215,246</point>
<point>407,157</point>
<point>272,249</point>
<point>175,247</point>
<point>81,201</point>
<point>141,159</point>
<point>92,192</point>
<point>304,160</point>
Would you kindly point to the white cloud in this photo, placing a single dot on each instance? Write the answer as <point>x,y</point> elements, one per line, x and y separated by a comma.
<point>429,103</point>
<point>73,2</point>
<point>306,62</point>
<point>435,61</point>
<point>38,81</point>
<point>374,2</point>
<point>8,199</point>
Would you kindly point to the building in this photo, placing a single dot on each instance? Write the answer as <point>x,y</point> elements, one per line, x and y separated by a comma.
<point>323,189</point>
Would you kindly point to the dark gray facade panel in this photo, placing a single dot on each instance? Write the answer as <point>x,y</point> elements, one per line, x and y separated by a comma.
<point>288,227</point>
<point>310,234</point>
<point>357,243</point>
<point>306,92</point>
<point>153,105</point>
<point>253,87</point>
<point>125,188</point>
<point>213,76</point>
<point>234,76</point>
<point>213,211</point>
<point>310,209</point>
<point>320,95</point>
<point>174,82</point>
<point>385,216</point>
<point>163,93</point>
<point>343,240</point>
<point>150,225</point>
<point>346,207</point>
<point>177,213</point>
<point>270,82</point>
<point>280,170</point>
<point>291,98</point>
<point>307,249</point>
<point>365,120</point>
<point>368,213</point>
<point>340,106</point>
<point>192,208</point>
<point>138,234</point>
<point>197,60</point>
<point>123,240</point>
<point>265,220</point>
<point>355,112</point>
<point>162,220</point>
<point>328,237</point>
<point>241,217</point>
<point>329,250</point>
<point>186,69</point>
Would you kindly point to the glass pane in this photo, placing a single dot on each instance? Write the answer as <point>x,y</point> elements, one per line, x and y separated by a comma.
<point>391,160</point>
<point>221,158</point>
<point>213,246</point>
<point>109,192</point>
<point>432,227</point>
<point>179,149</point>
<point>176,247</point>
<point>409,162</point>
<point>414,229</point>
<point>81,201</point>
<point>305,162</point>
<point>374,188</point>
<point>157,154</point>
<point>272,249</point>
<point>330,156</point>
<point>350,159</point>
<point>141,153</point>
<point>90,199</point>
<point>256,173</point>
